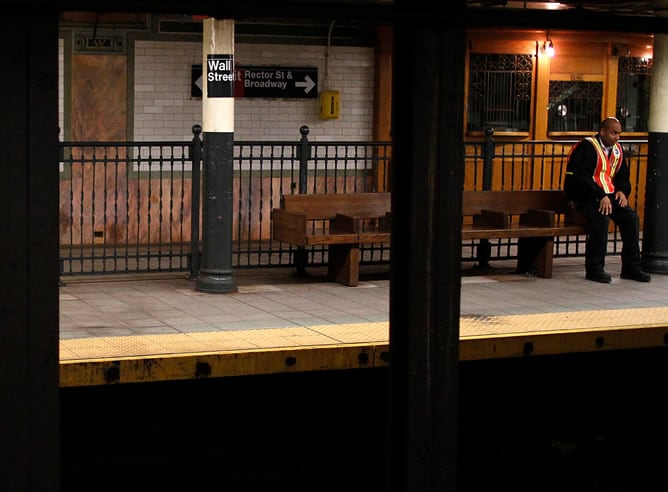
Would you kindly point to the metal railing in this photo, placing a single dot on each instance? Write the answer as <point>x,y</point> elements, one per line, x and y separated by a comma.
<point>541,165</point>
<point>134,207</point>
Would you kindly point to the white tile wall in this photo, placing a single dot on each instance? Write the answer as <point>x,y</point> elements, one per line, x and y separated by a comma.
<point>164,109</point>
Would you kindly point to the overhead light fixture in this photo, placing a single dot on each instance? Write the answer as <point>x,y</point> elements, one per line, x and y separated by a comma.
<point>548,48</point>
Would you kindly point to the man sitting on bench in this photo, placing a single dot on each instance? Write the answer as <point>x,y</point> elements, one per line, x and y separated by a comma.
<point>597,181</point>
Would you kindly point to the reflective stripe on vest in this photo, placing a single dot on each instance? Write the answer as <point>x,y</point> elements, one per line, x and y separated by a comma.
<point>606,167</point>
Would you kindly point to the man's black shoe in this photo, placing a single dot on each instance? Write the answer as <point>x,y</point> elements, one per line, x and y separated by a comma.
<point>602,277</point>
<point>638,276</point>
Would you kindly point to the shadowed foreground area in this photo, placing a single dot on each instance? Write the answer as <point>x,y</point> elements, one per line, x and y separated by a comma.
<point>579,422</point>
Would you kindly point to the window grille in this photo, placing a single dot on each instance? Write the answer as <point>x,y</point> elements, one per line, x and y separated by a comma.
<point>500,92</point>
<point>633,93</point>
<point>574,106</point>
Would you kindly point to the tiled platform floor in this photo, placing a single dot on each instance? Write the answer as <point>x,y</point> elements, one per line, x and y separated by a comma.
<point>105,319</point>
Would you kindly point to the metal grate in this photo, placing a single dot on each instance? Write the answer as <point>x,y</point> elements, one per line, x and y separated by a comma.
<point>500,92</point>
<point>574,106</point>
<point>634,75</point>
<point>123,207</point>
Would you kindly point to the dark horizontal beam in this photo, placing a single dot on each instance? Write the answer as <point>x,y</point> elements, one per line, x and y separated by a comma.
<point>573,19</point>
<point>365,11</point>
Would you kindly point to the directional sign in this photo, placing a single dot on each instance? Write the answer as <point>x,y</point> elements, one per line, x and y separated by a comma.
<point>269,81</point>
<point>276,82</point>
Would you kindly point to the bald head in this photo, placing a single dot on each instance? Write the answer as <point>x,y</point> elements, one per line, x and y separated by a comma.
<point>610,130</point>
<point>610,122</point>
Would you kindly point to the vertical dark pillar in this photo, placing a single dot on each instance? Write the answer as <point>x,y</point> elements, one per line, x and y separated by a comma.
<point>428,168</point>
<point>215,274</point>
<point>655,230</point>
<point>29,393</point>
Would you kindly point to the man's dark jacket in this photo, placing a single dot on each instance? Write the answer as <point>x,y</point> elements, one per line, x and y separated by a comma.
<point>579,184</point>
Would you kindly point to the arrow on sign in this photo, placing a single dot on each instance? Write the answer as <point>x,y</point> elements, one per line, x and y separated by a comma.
<point>308,84</point>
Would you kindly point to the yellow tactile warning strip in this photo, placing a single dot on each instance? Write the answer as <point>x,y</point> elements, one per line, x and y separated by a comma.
<point>562,321</point>
<point>143,358</point>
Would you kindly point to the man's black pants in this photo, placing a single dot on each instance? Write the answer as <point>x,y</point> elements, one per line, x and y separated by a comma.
<point>628,223</point>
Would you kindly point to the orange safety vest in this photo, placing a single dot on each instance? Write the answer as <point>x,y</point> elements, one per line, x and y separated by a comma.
<point>606,167</point>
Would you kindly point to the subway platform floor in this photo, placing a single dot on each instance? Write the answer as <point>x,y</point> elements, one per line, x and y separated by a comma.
<point>158,327</point>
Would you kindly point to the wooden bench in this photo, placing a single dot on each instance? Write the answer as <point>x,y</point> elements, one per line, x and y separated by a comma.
<point>342,221</point>
<point>535,218</point>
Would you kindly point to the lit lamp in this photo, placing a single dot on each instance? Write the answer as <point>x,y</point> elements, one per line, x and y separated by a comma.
<point>548,47</point>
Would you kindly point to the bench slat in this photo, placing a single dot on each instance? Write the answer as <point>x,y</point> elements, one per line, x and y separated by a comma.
<point>325,206</point>
<point>366,237</point>
<point>518,231</point>
<point>513,202</point>
<point>323,238</point>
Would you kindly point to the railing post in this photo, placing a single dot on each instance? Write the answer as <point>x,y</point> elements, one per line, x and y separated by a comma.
<point>61,158</point>
<point>195,162</point>
<point>303,154</point>
<point>484,249</point>
<point>487,159</point>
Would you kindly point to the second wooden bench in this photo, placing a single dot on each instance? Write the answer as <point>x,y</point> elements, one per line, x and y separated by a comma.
<point>535,218</point>
<point>342,221</point>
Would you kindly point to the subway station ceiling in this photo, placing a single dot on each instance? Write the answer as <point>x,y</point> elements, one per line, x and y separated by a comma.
<point>637,8</point>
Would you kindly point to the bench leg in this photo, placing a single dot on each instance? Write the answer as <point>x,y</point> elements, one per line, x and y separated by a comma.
<point>535,255</point>
<point>483,253</point>
<point>301,258</point>
<point>343,264</point>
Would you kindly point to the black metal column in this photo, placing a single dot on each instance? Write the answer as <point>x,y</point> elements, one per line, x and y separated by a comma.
<point>29,366</point>
<point>428,168</point>
<point>655,229</point>
<point>215,273</point>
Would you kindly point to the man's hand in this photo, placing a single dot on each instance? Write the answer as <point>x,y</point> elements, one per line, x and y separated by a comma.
<point>605,206</point>
<point>621,199</point>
